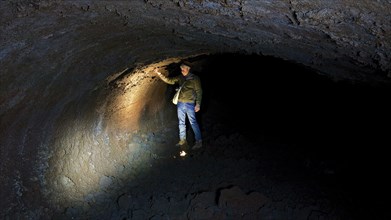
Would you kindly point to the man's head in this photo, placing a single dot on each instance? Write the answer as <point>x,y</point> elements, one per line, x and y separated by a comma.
<point>185,68</point>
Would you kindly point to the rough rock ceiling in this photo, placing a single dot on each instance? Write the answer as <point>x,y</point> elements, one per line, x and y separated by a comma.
<point>345,39</point>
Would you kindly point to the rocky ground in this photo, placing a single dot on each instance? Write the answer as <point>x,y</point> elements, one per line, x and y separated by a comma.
<point>238,174</point>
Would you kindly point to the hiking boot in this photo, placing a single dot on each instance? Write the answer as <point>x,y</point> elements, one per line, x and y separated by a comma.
<point>197,145</point>
<point>181,143</point>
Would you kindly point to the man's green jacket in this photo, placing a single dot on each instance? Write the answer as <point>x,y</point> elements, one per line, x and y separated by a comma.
<point>191,91</point>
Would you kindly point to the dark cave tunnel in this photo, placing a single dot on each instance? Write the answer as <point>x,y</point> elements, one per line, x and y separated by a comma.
<point>287,101</point>
<point>271,98</point>
<point>331,132</point>
<point>326,124</point>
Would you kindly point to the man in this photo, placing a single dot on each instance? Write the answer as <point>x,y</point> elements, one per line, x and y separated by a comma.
<point>189,102</point>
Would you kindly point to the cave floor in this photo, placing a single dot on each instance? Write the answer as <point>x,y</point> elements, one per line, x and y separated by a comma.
<point>239,174</point>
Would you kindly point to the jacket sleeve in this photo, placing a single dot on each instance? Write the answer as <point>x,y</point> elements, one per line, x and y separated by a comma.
<point>169,80</point>
<point>198,91</point>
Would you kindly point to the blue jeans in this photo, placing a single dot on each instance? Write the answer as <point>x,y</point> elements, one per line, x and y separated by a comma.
<point>184,109</point>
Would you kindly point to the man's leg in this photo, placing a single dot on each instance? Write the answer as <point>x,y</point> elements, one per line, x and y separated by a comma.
<point>181,110</point>
<point>193,121</point>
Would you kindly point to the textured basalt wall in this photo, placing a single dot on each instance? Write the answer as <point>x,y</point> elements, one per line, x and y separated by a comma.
<point>76,85</point>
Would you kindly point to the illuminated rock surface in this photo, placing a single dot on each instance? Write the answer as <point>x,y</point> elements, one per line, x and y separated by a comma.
<point>88,131</point>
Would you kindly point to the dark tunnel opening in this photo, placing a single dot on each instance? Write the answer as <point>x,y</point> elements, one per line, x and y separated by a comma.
<point>332,132</point>
<point>337,126</point>
<point>288,101</point>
